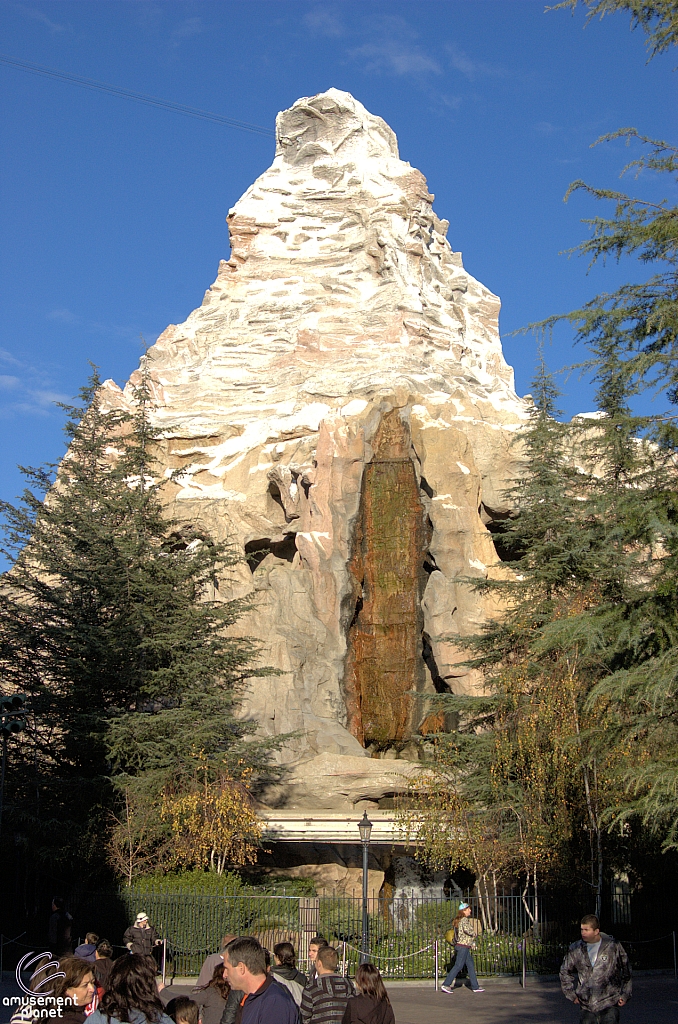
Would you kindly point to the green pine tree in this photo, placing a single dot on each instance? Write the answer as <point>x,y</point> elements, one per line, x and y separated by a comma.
<point>515,762</point>
<point>657,18</point>
<point>619,624</point>
<point>547,534</point>
<point>580,728</point>
<point>111,621</point>
<point>627,637</point>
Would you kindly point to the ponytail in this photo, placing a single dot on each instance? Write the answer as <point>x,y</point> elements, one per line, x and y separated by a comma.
<point>460,915</point>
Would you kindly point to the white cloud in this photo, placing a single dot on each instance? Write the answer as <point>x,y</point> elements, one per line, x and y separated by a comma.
<point>188,28</point>
<point>471,68</point>
<point>323,22</point>
<point>125,331</point>
<point>47,398</point>
<point>394,57</point>
<point>453,102</point>
<point>26,408</point>
<point>64,315</point>
<point>29,394</point>
<point>37,15</point>
<point>7,357</point>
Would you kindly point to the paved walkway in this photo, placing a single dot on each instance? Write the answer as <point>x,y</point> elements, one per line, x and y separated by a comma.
<point>655,1001</point>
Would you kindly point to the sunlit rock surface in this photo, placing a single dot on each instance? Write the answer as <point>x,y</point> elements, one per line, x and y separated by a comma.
<point>339,406</point>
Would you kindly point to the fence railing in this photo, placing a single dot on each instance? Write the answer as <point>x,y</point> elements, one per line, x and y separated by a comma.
<point>406,933</point>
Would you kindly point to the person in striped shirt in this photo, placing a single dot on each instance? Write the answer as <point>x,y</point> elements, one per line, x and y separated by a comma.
<point>324,999</point>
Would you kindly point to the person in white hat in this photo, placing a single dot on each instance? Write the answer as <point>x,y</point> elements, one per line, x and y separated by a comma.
<point>141,936</point>
<point>466,932</point>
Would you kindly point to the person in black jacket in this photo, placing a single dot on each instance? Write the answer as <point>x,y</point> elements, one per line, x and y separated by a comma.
<point>232,1007</point>
<point>141,937</point>
<point>371,1005</point>
<point>264,1001</point>
<point>59,933</point>
<point>103,964</point>
<point>285,970</point>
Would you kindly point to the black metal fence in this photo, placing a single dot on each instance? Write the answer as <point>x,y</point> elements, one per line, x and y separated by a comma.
<point>406,934</point>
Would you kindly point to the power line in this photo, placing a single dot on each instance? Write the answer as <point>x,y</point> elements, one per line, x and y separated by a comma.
<point>179,108</point>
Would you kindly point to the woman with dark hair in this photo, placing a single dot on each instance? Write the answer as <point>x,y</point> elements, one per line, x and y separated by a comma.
<point>211,998</point>
<point>78,986</point>
<point>285,970</point>
<point>41,984</point>
<point>371,1005</point>
<point>132,995</point>
<point>103,964</point>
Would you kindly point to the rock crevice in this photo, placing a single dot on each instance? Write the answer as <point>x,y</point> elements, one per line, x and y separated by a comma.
<point>384,662</point>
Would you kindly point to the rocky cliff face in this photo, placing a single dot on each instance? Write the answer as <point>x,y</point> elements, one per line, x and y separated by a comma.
<point>339,406</point>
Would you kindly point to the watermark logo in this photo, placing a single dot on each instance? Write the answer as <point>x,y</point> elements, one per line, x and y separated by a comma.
<point>33,958</point>
<point>41,1003</point>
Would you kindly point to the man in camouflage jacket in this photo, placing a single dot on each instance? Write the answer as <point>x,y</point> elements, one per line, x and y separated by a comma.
<point>596,974</point>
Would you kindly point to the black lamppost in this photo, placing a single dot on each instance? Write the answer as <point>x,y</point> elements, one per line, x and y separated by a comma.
<point>365,829</point>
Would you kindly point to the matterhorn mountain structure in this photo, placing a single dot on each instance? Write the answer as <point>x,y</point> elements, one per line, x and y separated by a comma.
<point>340,409</point>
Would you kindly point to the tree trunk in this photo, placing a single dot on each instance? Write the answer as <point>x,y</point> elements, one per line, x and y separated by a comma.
<point>595,830</point>
<point>599,847</point>
<point>130,852</point>
<point>524,895</point>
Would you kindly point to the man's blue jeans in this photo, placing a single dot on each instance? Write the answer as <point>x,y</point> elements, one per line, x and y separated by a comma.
<point>609,1016</point>
<point>463,959</point>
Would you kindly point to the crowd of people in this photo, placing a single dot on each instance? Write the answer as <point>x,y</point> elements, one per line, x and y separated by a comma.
<point>243,984</point>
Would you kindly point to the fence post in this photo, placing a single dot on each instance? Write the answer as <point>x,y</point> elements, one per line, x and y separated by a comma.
<point>524,961</point>
<point>675,970</point>
<point>309,921</point>
<point>343,960</point>
<point>436,958</point>
<point>164,960</point>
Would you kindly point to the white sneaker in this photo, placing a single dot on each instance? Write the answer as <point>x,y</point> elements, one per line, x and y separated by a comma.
<point>446,988</point>
<point>477,990</point>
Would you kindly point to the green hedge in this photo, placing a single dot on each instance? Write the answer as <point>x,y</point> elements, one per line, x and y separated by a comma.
<point>205,883</point>
<point>209,883</point>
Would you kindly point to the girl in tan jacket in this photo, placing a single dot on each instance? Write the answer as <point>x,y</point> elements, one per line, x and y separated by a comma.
<point>465,932</point>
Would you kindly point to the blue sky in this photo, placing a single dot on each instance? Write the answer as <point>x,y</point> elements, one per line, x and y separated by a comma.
<point>112,212</point>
